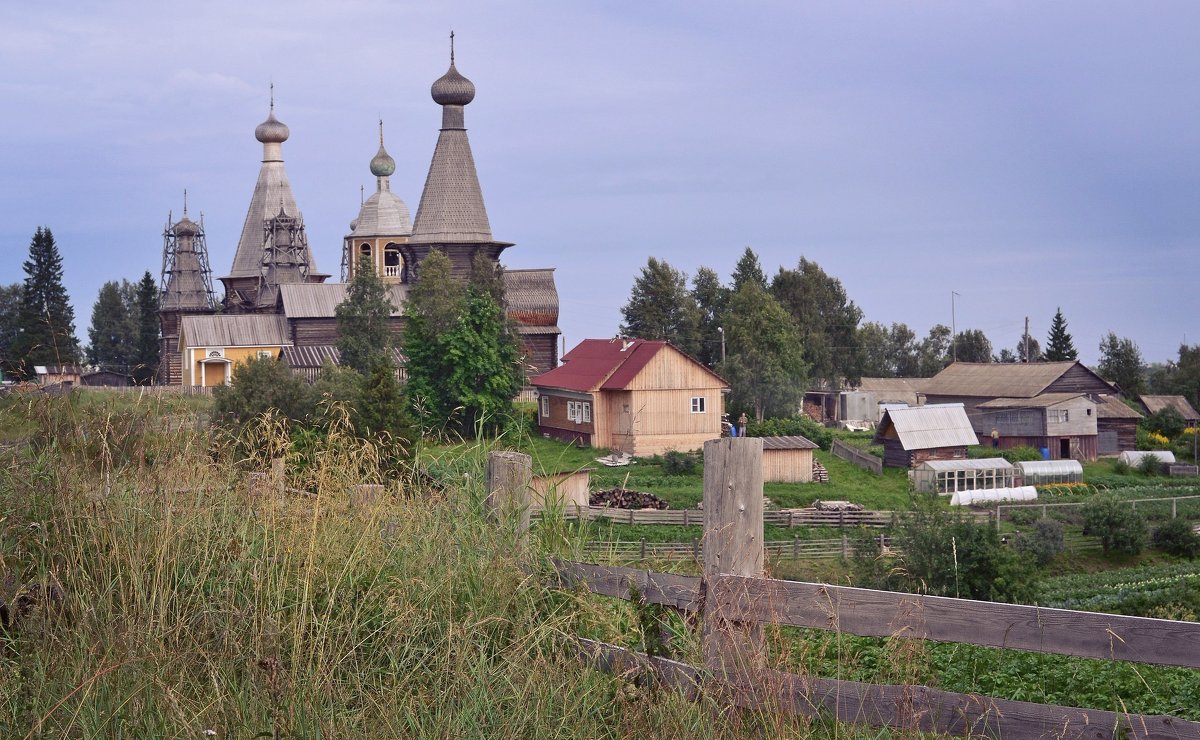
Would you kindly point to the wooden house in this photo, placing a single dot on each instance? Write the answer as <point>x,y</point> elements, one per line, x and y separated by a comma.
<point>1063,424</point>
<point>973,383</point>
<point>1154,404</point>
<point>211,345</point>
<point>788,459</point>
<point>1116,425</point>
<point>915,434</point>
<point>638,396</point>
<point>106,379</point>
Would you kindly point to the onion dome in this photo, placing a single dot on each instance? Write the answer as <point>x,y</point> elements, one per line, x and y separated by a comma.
<point>272,131</point>
<point>382,164</point>
<point>452,88</point>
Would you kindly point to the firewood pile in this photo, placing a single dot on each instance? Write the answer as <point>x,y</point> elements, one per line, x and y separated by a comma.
<point>623,498</point>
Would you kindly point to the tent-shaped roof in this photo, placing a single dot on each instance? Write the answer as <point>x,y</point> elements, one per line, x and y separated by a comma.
<point>1000,379</point>
<point>929,426</point>
<point>1154,404</point>
<point>607,364</point>
<point>1111,407</point>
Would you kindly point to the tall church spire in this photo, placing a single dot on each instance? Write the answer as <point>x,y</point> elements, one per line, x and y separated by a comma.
<point>451,208</point>
<point>261,255</point>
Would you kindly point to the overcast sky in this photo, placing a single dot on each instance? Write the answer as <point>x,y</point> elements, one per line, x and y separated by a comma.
<point>1026,155</point>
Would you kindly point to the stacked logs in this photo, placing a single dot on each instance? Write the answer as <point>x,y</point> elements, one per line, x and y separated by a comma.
<point>623,498</point>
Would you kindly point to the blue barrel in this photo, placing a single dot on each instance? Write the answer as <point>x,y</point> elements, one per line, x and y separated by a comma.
<point>1045,452</point>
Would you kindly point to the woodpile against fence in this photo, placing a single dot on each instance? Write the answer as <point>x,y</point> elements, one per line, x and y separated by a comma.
<point>623,498</point>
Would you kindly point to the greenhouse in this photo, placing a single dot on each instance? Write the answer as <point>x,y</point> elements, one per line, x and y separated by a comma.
<point>1134,458</point>
<point>1043,472</point>
<point>993,495</point>
<point>950,476</point>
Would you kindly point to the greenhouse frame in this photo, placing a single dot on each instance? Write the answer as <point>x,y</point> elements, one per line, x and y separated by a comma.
<point>946,477</point>
<point>1044,472</point>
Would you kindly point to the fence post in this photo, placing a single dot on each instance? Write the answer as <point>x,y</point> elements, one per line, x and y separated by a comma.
<point>795,548</point>
<point>696,549</point>
<point>631,516</point>
<point>733,529</point>
<point>1174,513</point>
<point>509,477</point>
<point>643,548</point>
<point>845,545</point>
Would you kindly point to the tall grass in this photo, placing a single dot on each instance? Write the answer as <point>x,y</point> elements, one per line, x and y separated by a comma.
<point>149,591</point>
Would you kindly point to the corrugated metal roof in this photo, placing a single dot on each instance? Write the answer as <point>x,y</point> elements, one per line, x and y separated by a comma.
<point>929,426</point>
<point>606,364</point>
<point>320,300</point>
<point>996,379</point>
<point>1111,407</point>
<point>791,442</point>
<point>1044,401</point>
<point>1154,404</point>
<point>986,463</point>
<point>241,330</point>
<point>895,385</point>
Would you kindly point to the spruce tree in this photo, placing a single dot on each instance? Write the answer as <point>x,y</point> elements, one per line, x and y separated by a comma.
<point>1059,346</point>
<point>748,270</point>
<point>109,335</point>
<point>364,321</point>
<point>10,326</point>
<point>145,351</point>
<point>47,321</point>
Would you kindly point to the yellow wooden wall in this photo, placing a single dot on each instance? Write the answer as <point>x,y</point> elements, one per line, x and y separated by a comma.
<point>787,466</point>
<point>213,373</point>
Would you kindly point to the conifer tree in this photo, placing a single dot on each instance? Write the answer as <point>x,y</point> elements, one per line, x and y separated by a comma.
<point>10,326</point>
<point>1059,346</point>
<point>109,335</point>
<point>748,270</point>
<point>145,353</point>
<point>47,321</point>
<point>364,321</point>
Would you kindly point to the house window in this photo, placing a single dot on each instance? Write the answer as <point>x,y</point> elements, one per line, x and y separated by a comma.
<point>545,405</point>
<point>264,354</point>
<point>697,404</point>
<point>579,412</point>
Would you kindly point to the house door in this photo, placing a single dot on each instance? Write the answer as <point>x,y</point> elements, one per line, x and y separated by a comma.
<point>1064,448</point>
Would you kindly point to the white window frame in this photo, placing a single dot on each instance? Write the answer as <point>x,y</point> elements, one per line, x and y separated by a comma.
<point>263,354</point>
<point>586,408</point>
<point>698,404</point>
<point>545,405</point>
<point>570,411</point>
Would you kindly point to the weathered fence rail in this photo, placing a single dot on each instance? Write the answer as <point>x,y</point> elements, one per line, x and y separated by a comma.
<point>779,517</point>
<point>856,457</point>
<point>733,601</point>
<point>793,549</point>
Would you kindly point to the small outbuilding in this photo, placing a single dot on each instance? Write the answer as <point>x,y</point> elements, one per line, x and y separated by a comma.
<point>914,434</point>
<point>1043,472</point>
<point>945,477</point>
<point>1116,425</point>
<point>106,378</point>
<point>788,459</point>
<point>1154,404</point>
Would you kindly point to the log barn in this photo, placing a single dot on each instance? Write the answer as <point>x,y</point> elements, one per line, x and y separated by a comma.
<point>914,434</point>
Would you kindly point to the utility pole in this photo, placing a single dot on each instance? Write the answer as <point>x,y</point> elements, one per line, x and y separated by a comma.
<point>721,331</point>
<point>953,330</point>
<point>1026,339</point>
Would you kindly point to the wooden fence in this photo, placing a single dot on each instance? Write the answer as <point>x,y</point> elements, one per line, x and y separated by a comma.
<point>778,517</point>
<point>733,601</point>
<point>856,457</point>
<point>1046,507</point>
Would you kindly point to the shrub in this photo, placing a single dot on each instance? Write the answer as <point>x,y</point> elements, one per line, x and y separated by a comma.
<point>1119,527</point>
<point>680,463</point>
<point>1168,422</point>
<point>793,425</point>
<point>1120,467</point>
<point>1044,542</point>
<point>260,385</point>
<point>1149,465</point>
<point>1177,538</point>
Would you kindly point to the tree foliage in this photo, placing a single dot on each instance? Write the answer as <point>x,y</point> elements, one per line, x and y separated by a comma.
<point>660,307</point>
<point>764,363</point>
<point>748,270</point>
<point>46,319</point>
<point>1179,378</point>
<point>972,345</point>
<point>933,353</point>
<point>711,298</point>
<point>145,351</point>
<point>1120,528</point>
<point>364,321</point>
<point>10,326</point>
<point>1059,345</point>
<point>463,357</point>
<point>888,352</point>
<point>109,337</point>
<point>825,317</point>
<point>1121,363</point>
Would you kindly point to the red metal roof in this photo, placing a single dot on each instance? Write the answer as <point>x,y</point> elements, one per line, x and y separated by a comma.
<point>595,364</point>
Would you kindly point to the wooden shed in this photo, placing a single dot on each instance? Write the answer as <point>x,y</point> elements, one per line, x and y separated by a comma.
<point>1154,404</point>
<point>570,490</point>
<point>1116,426</point>
<point>915,434</point>
<point>638,396</point>
<point>788,459</point>
<point>1064,424</point>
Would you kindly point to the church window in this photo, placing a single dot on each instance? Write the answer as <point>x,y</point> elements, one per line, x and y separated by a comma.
<point>392,262</point>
